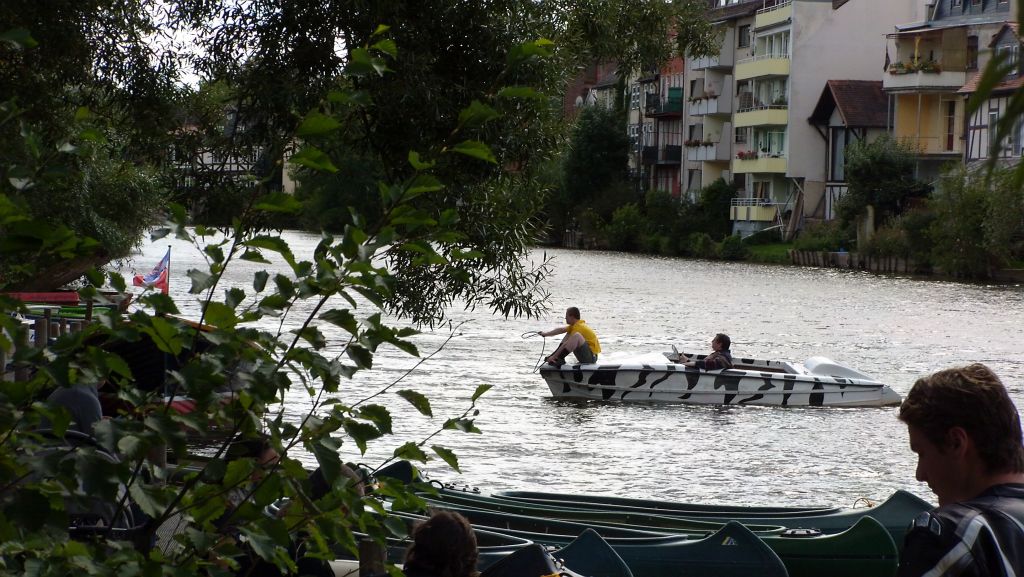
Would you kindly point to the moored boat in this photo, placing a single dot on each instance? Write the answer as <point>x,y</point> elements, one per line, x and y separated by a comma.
<point>895,513</point>
<point>817,382</point>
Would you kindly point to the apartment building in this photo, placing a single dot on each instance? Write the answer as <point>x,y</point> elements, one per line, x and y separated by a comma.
<point>655,125</point>
<point>981,126</point>
<point>776,58</point>
<point>929,64</point>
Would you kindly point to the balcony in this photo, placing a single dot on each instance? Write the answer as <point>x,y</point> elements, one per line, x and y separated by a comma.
<point>712,105</point>
<point>931,144</point>
<point>708,152</point>
<point>649,155</point>
<point>773,115</point>
<point>671,107</point>
<point>760,163</point>
<point>759,209</point>
<point>762,65</point>
<point>901,78</point>
<point>725,58</point>
<point>781,12</point>
<point>668,154</point>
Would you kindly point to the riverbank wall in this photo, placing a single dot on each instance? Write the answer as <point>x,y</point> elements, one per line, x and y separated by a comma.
<point>885,264</point>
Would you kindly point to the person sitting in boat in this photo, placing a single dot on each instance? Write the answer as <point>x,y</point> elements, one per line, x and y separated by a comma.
<point>720,357</point>
<point>579,339</point>
<point>442,546</point>
<point>966,432</point>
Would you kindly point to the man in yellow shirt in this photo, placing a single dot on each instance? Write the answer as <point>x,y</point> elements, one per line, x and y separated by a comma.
<point>580,340</point>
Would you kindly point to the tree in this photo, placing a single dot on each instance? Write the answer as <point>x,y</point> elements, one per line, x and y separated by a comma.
<point>595,168</point>
<point>238,373</point>
<point>880,173</point>
<point>69,67</point>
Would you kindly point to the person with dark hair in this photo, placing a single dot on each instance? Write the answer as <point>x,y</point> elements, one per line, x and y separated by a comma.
<point>579,339</point>
<point>966,433</point>
<point>82,402</point>
<point>720,357</point>
<point>443,546</point>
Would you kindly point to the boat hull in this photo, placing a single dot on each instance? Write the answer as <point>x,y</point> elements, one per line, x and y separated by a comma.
<point>675,383</point>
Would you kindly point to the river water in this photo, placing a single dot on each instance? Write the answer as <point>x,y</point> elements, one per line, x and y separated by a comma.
<point>896,329</point>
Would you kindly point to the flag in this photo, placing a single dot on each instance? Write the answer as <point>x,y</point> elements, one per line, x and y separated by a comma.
<point>158,277</point>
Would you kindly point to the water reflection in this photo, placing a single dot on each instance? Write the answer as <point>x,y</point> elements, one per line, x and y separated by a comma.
<point>896,329</point>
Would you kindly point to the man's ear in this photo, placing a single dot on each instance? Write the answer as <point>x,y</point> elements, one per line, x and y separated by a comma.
<point>957,440</point>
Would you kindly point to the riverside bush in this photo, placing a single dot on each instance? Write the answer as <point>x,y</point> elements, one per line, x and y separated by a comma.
<point>822,236</point>
<point>626,229</point>
<point>732,248</point>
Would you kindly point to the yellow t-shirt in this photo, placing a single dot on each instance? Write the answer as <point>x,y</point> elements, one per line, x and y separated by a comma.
<point>581,327</point>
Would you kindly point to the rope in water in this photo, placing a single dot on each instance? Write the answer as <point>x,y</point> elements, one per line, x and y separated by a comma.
<point>543,346</point>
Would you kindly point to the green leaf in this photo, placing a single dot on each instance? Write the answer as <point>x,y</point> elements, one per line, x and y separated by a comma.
<point>417,400</point>
<point>151,499</point>
<point>341,318</point>
<point>259,280</point>
<point>361,433</point>
<point>254,256</point>
<point>448,457</point>
<point>411,452</point>
<point>313,336</point>
<point>19,38</point>
<point>386,46</point>
<point>200,280</point>
<point>316,124</point>
<point>422,183</point>
<point>362,357</point>
<point>475,149</point>
<point>480,390</point>
<point>378,415</point>
<point>313,158</point>
<point>476,115</point>
<point>519,92</point>
<point>279,202</point>
<point>414,160</point>
<point>220,315</point>
<point>396,526</point>
<point>165,335</point>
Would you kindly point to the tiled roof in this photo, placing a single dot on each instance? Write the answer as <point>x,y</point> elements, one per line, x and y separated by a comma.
<point>1004,86</point>
<point>861,103</point>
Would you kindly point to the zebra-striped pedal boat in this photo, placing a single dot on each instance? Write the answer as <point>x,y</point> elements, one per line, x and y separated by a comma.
<point>817,382</point>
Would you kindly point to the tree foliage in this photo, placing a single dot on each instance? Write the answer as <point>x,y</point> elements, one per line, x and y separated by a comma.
<point>595,166</point>
<point>880,173</point>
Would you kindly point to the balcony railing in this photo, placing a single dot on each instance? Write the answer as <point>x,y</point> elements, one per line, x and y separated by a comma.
<point>765,56</point>
<point>658,106</point>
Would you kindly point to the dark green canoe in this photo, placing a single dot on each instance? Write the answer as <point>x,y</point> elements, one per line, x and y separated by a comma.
<point>732,551</point>
<point>866,548</point>
<point>895,513</point>
<point>650,506</point>
<point>590,555</point>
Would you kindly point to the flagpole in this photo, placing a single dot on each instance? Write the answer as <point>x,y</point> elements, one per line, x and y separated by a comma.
<point>168,269</point>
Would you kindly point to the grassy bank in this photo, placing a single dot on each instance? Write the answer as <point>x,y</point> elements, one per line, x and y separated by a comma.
<point>777,253</point>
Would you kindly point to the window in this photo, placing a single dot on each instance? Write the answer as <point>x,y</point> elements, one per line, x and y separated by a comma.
<point>972,52</point>
<point>634,98</point>
<point>741,135</point>
<point>744,36</point>
<point>950,124</point>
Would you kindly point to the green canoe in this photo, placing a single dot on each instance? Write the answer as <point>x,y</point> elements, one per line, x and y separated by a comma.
<point>732,551</point>
<point>650,506</point>
<point>866,548</point>
<point>895,513</point>
<point>590,555</point>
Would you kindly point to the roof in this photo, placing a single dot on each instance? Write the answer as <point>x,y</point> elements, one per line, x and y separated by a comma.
<point>861,103</point>
<point>1011,27</point>
<point>1005,86</point>
<point>1009,85</point>
<point>733,11</point>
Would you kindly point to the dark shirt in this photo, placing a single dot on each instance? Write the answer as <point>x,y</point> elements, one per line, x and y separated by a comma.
<point>717,360</point>
<point>983,536</point>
